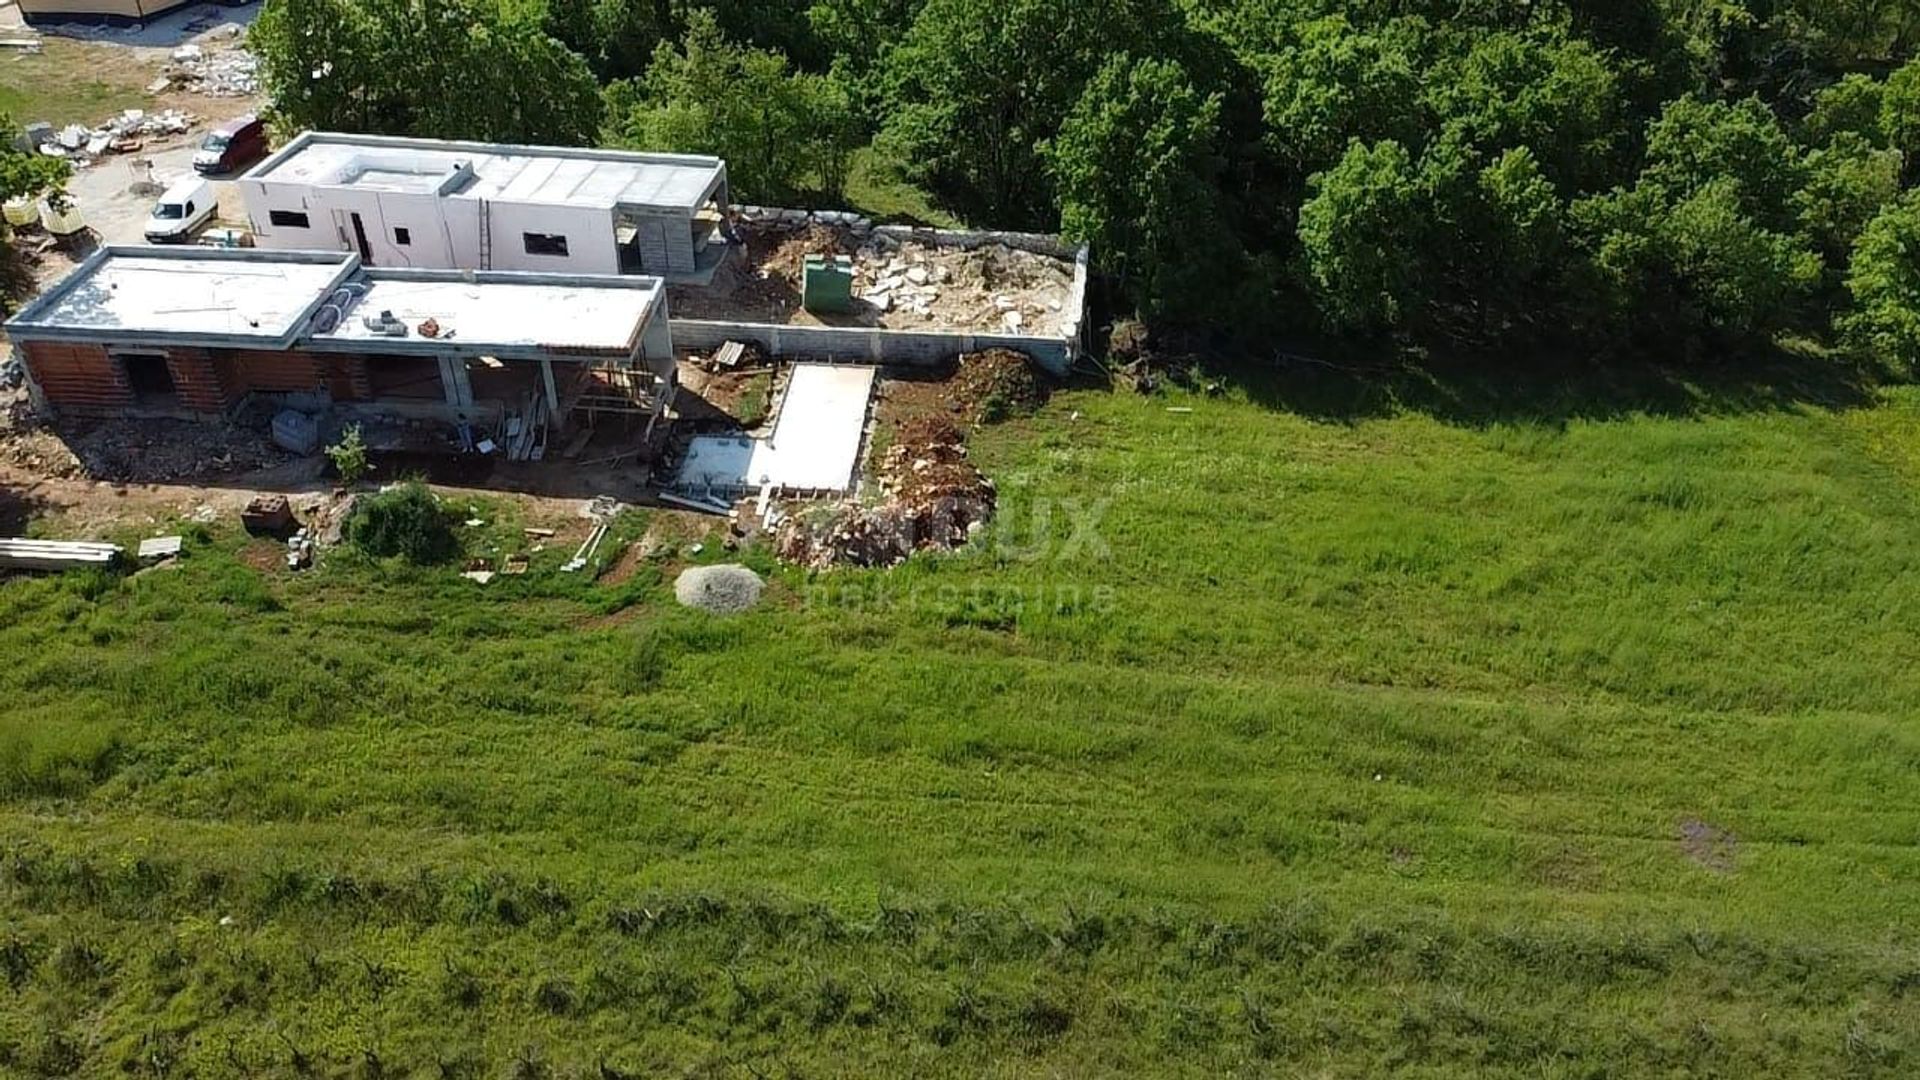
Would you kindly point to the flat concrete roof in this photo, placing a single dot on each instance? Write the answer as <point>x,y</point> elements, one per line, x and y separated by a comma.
<point>501,311</point>
<point>249,298</point>
<point>187,294</point>
<point>543,175</point>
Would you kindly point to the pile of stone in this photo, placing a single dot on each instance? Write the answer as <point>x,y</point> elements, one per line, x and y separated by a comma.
<point>727,589</point>
<point>933,499</point>
<point>905,280</point>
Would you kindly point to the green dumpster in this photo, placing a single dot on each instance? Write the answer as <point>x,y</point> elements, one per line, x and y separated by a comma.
<point>827,283</point>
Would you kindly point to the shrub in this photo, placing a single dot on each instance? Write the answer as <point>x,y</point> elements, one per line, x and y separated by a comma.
<point>406,521</point>
<point>349,455</point>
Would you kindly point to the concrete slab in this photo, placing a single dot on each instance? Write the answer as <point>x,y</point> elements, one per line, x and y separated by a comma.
<point>501,310</point>
<point>815,445</point>
<point>186,292</point>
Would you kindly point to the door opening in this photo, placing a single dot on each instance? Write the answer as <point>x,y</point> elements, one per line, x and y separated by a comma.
<point>360,238</point>
<point>147,375</point>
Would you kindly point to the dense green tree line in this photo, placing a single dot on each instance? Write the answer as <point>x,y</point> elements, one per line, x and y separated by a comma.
<point>1691,176</point>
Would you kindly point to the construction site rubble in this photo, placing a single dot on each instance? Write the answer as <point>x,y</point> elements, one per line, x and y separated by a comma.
<point>995,384</point>
<point>124,132</point>
<point>932,498</point>
<point>899,281</point>
<point>213,72</point>
<point>127,450</point>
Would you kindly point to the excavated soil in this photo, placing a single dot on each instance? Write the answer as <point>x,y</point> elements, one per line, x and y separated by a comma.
<point>933,498</point>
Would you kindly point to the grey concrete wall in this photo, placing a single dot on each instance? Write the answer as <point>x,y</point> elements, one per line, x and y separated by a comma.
<point>868,344</point>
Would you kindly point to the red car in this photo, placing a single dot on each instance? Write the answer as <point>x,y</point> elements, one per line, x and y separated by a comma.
<point>236,143</point>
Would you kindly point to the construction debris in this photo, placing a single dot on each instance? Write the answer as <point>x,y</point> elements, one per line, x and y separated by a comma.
<point>217,73</point>
<point>124,132</point>
<point>898,284</point>
<point>267,515</point>
<point>995,384</point>
<point>933,498</point>
<point>726,589</point>
<point>125,450</point>
<point>601,510</point>
<point>155,549</point>
<point>300,549</point>
<point>21,554</point>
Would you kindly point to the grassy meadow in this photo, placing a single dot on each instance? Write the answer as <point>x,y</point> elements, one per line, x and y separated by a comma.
<point>1330,728</point>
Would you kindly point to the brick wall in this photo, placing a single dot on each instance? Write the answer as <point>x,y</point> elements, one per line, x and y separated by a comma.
<point>77,376</point>
<point>198,382</point>
<point>89,378</point>
<point>292,371</point>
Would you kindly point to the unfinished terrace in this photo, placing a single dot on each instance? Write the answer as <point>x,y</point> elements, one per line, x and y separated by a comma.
<point>196,332</point>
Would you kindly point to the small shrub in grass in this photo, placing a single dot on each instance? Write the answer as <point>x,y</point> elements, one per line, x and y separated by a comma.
<point>349,455</point>
<point>405,522</point>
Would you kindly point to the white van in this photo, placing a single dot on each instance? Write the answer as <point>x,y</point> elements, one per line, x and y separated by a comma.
<point>186,206</point>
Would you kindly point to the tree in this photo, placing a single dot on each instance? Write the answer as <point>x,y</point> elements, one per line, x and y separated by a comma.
<point>782,133</point>
<point>1696,264</point>
<point>1136,165</point>
<point>1845,33</point>
<point>978,86</point>
<point>1852,105</point>
<point>1848,181</point>
<point>1900,115</point>
<point>456,69</point>
<point>1557,97</point>
<point>1360,237</point>
<point>1885,284</point>
<point>1332,83</point>
<point>1740,146</point>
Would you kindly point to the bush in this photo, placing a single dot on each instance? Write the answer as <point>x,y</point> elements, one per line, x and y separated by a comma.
<point>406,521</point>
<point>349,455</point>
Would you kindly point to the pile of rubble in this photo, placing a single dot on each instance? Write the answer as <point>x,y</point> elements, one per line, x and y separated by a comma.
<point>995,384</point>
<point>31,446</point>
<point>216,73</point>
<point>901,282</point>
<point>995,285</point>
<point>122,133</point>
<point>129,451</point>
<point>933,498</point>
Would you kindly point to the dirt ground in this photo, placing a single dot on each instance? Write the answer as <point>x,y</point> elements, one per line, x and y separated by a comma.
<point>899,286</point>
<point>84,478</point>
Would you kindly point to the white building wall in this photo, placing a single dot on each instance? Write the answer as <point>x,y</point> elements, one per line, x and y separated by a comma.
<point>443,233</point>
<point>591,248</point>
<point>260,197</point>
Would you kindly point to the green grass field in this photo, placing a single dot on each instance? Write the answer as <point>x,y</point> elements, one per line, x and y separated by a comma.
<point>1329,729</point>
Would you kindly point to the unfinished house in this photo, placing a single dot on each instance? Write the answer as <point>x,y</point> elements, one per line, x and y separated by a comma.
<point>196,332</point>
<point>428,203</point>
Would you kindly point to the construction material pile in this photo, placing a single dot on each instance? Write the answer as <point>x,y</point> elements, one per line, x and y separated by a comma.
<point>215,73</point>
<point>995,384</point>
<point>932,499</point>
<point>727,589</point>
<point>121,133</point>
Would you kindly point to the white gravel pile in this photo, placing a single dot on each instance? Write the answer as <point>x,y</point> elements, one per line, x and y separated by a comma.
<point>723,590</point>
